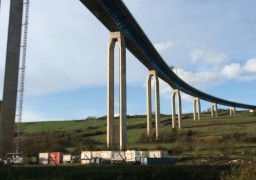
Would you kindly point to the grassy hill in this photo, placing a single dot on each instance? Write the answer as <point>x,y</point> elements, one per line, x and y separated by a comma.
<point>203,149</point>
<point>212,137</point>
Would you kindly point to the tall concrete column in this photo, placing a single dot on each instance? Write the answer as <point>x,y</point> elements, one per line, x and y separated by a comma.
<point>216,109</point>
<point>232,111</point>
<point>7,117</point>
<point>174,93</point>
<point>149,103</point>
<point>0,108</point>
<point>116,37</point>
<point>196,101</point>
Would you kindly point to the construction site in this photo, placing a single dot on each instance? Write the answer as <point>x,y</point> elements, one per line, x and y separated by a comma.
<point>206,139</point>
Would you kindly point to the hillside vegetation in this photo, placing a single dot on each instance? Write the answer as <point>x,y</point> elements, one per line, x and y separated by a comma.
<point>220,138</point>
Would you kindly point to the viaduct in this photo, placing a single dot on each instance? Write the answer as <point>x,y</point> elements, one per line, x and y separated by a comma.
<point>127,34</point>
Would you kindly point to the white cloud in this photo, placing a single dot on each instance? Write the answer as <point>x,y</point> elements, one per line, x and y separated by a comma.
<point>232,70</point>
<point>186,97</point>
<point>164,89</point>
<point>68,50</point>
<point>199,78</point>
<point>247,78</point>
<point>250,66</point>
<point>163,46</point>
<point>211,57</point>
<point>33,116</point>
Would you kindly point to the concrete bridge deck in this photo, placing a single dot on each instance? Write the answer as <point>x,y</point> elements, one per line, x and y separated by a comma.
<point>115,16</point>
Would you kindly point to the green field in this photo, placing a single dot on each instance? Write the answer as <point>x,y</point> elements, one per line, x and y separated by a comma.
<point>203,149</point>
<point>222,137</point>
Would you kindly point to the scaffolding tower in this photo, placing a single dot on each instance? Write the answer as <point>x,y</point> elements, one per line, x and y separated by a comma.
<point>22,72</point>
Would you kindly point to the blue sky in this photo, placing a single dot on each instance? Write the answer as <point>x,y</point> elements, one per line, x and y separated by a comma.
<point>212,42</point>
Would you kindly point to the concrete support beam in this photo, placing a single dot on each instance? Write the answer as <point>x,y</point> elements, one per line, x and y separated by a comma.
<point>196,101</point>
<point>232,111</point>
<point>174,93</point>
<point>111,133</point>
<point>0,107</point>
<point>7,116</point>
<point>212,109</point>
<point>149,103</point>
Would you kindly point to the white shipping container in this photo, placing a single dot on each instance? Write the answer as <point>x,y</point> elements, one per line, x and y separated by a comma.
<point>96,154</point>
<point>158,154</point>
<point>143,154</point>
<point>66,158</point>
<point>43,158</point>
<point>86,155</point>
<point>132,156</point>
<point>118,155</point>
<point>84,161</point>
<point>107,154</point>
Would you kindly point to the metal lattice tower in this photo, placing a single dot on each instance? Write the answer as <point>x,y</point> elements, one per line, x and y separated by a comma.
<point>22,71</point>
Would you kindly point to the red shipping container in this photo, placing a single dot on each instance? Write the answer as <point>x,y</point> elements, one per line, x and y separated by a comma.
<point>55,157</point>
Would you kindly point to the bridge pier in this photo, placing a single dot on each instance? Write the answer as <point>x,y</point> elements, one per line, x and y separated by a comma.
<point>196,101</point>
<point>212,109</point>
<point>232,111</point>
<point>174,93</point>
<point>0,107</point>
<point>112,132</point>
<point>149,103</point>
<point>8,107</point>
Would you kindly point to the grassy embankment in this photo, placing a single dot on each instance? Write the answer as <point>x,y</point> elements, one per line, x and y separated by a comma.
<point>209,143</point>
<point>212,137</point>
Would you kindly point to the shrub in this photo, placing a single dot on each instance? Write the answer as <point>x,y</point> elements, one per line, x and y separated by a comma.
<point>211,143</point>
<point>245,172</point>
<point>177,149</point>
<point>143,138</point>
<point>228,147</point>
<point>168,136</point>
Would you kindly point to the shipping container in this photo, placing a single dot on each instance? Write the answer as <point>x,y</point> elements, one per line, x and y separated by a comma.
<point>55,158</point>
<point>66,158</point>
<point>158,154</point>
<point>96,154</point>
<point>107,154</point>
<point>158,161</point>
<point>43,158</point>
<point>119,154</point>
<point>118,157</point>
<point>86,157</point>
<point>97,160</point>
<point>14,158</point>
<point>76,159</point>
<point>85,161</point>
<point>92,157</point>
<point>132,156</point>
<point>143,154</point>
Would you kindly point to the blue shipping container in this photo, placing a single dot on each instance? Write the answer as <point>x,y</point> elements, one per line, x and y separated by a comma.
<point>157,161</point>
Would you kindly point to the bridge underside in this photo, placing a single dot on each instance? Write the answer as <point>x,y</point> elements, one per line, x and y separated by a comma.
<point>115,16</point>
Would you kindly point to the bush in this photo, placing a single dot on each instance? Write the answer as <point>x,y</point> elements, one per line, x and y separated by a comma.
<point>168,136</point>
<point>143,138</point>
<point>228,147</point>
<point>177,149</point>
<point>245,172</point>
